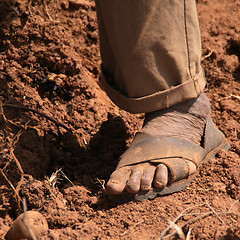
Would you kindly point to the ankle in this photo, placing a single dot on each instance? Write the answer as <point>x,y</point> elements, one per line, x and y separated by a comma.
<point>199,107</point>
<point>185,120</point>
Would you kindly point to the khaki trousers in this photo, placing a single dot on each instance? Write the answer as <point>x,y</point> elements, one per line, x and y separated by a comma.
<point>151,52</point>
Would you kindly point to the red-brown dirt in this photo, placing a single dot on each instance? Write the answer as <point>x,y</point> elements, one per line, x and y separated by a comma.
<point>49,61</point>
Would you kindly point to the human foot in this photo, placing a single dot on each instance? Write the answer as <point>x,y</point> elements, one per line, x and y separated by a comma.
<point>148,162</point>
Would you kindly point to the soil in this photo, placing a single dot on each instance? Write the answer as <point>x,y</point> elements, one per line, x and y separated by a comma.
<point>49,61</point>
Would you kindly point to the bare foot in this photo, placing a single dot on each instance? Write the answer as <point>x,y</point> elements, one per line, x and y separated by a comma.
<point>185,121</point>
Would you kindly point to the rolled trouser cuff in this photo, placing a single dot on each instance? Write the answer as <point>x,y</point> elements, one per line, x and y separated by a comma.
<point>159,100</point>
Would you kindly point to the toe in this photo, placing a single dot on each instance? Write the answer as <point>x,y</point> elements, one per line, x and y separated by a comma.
<point>147,178</point>
<point>133,184</point>
<point>117,181</point>
<point>161,176</point>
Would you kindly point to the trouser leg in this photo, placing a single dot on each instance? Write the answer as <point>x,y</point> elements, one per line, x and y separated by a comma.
<point>151,52</point>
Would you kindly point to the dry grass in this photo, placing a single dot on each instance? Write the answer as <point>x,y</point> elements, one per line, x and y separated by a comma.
<point>178,229</point>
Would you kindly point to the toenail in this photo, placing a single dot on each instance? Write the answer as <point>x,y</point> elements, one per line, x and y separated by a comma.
<point>160,183</point>
<point>145,187</point>
<point>132,186</point>
<point>114,181</point>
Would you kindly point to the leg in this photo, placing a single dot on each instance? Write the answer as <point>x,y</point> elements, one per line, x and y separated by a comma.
<point>151,53</point>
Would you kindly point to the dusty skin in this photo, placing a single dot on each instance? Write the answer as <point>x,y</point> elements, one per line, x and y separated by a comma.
<point>183,121</point>
<point>49,61</point>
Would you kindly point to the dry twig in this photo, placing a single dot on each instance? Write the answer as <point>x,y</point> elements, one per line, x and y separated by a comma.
<point>230,209</point>
<point>201,215</point>
<point>215,213</point>
<point>177,218</point>
<point>37,112</point>
<point>12,143</point>
<point>46,10</point>
<point>20,183</point>
<point>230,96</point>
<point>16,161</point>
<point>100,184</point>
<point>29,5</point>
<point>26,126</point>
<point>178,229</point>
<point>188,237</point>
<point>65,176</point>
<point>207,56</point>
<point>25,222</point>
<point>53,180</point>
<point>11,185</point>
<point>2,113</point>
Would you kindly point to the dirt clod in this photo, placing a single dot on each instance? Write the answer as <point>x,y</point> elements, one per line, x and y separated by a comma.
<point>29,225</point>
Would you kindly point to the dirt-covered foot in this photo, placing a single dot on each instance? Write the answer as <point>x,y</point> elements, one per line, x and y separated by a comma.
<point>184,121</point>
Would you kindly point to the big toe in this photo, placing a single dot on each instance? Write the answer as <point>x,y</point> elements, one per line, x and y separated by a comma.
<point>117,182</point>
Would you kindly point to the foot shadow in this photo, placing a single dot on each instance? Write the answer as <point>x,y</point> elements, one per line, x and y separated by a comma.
<point>89,165</point>
<point>42,154</point>
<point>233,48</point>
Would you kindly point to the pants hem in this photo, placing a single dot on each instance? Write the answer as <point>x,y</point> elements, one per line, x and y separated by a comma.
<point>158,100</point>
